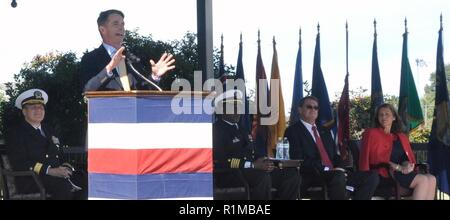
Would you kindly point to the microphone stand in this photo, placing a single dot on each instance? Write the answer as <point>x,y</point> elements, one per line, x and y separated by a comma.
<point>143,77</point>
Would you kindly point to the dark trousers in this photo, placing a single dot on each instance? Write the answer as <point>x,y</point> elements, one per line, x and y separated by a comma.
<point>260,184</point>
<point>80,178</point>
<point>285,181</point>
<point>364,183</point>
<point>58,188</point>
<point>258,181</point>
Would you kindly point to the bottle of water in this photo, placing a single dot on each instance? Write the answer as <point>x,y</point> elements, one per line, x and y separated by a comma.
<point>286,148</point>
<point>279,149</point>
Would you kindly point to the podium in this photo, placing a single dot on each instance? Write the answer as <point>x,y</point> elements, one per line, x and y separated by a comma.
<point>150,145</point>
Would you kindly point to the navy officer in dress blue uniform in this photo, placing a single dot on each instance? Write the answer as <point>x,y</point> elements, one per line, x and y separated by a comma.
<point>32,146</point>
<point>234,149</point>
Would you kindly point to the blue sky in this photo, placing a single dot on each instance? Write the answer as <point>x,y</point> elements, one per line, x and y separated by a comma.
<point>41,26</point>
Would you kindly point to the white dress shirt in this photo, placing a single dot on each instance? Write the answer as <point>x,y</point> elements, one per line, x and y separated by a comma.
<point>309,128</point>
<point>111,51</point>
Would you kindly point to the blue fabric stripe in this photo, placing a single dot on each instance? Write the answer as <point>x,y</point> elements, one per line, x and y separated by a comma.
<point>152,186</point>
<point>149,110</point>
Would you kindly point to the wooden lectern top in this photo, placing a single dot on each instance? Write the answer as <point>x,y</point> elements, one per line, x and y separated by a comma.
<point>138,93</point>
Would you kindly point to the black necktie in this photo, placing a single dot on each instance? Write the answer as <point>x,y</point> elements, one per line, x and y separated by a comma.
<point>40,132</point>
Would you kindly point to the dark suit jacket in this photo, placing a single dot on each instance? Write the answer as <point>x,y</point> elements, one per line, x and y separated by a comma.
<point>232,146</point>
<point>94,78</point>
<point>303,147</point>
<point>28,150</point>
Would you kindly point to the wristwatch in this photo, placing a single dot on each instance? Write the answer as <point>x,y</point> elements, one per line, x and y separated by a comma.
<point>249,164</point>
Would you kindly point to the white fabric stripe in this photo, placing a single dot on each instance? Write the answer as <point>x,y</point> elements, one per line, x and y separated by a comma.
<point>149,135</point>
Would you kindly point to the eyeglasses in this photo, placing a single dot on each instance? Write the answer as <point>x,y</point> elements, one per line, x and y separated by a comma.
<point>312,107</point>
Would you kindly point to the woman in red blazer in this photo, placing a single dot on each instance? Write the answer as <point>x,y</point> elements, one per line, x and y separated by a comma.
<point>387,144</point>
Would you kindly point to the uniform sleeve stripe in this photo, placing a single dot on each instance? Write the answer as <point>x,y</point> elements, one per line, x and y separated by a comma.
<point>235,163</point>
<point>37,168</point>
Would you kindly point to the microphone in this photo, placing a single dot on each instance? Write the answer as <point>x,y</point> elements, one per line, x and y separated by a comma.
<point>131,58</point>
<point>144,78</point>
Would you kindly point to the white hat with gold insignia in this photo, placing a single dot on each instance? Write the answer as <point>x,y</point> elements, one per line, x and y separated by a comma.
<point>32,96</point>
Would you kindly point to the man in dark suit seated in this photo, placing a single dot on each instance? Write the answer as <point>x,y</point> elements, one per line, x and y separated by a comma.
<point>316,147</point>
<point>108,69</point>
<point>32,146</point>
<point>234,149</point>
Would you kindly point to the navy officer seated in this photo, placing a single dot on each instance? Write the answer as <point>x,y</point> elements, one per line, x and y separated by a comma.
<point>233,149</point>
<point>31,145</point>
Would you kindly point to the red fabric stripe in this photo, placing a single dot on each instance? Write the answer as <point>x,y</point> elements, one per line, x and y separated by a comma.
<point>150,161</point>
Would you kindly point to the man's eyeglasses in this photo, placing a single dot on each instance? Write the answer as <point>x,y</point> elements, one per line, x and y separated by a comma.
<point>312,107</point>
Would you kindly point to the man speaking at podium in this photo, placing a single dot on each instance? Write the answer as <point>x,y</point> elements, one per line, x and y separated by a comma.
<point>108,68</point>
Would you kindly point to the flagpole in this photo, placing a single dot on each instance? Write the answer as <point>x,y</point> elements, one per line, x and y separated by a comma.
<point>346,44</point>
<point>221,41</point>
<point>376,93</point>
<point>222,75</point>
<point>297,92</point>
<point>259,40</point>
<point>375,28</point>
<point>300,36</point>
<point>221,45</point>
<point>406,26</point>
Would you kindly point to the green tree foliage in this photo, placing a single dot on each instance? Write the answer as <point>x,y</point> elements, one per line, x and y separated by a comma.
<point>359,110</point>
<point>146,48</point>
<point>2,95</point>
<point>186,54</point>
<point>420,135</point>
<point>184,50</point>
<point>431,88</point>
<point>58,75</point>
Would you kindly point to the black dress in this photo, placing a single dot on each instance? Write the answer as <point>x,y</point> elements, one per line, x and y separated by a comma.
<point>399,156</point>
